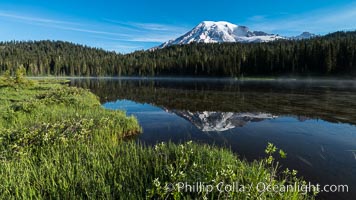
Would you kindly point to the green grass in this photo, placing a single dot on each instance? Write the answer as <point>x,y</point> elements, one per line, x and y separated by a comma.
<point>57,142</point>
<point>45,113</point>
<point>104,170</point>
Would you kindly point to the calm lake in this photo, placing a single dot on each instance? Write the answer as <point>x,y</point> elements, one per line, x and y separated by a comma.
<point>313,121</point>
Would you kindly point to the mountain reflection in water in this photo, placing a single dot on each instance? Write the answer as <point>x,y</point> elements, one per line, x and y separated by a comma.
<point>313,121</point>
<point>328,100</point>
<point>220,121</point>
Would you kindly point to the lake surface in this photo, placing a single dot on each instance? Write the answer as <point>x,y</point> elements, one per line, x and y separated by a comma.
<point>313,121</point>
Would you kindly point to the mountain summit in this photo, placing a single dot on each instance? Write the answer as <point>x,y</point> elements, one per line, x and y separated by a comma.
<point>222,31</point>
<point>304,35</point>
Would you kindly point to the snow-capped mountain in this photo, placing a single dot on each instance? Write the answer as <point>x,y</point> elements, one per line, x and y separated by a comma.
<point>220,121</point>
<point>304,35</point>
<point>221,31</point>
<point>218,32</point>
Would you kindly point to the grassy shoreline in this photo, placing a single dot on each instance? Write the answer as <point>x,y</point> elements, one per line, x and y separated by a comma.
<point>203,78</point>
<point>57,142</point>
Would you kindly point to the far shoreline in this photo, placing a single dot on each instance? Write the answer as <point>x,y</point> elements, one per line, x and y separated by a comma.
<point>210,79</point>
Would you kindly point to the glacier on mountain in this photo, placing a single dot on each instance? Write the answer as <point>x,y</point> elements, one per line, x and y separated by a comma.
<point>222,31</point>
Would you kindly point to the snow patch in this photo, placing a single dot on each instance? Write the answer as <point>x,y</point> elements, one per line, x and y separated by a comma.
<point>222,31</point>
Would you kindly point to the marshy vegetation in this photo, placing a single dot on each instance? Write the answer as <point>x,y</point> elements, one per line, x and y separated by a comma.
<point>57,142</point>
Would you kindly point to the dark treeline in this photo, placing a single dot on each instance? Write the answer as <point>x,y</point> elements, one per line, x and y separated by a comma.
<point>59,58</point>
<point>333,54</point>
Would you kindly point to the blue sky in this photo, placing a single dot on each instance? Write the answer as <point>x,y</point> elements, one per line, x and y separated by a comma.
<point>125,26</point>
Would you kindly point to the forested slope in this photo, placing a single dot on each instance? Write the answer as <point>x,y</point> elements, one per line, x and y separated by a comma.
<point>333,54</point>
